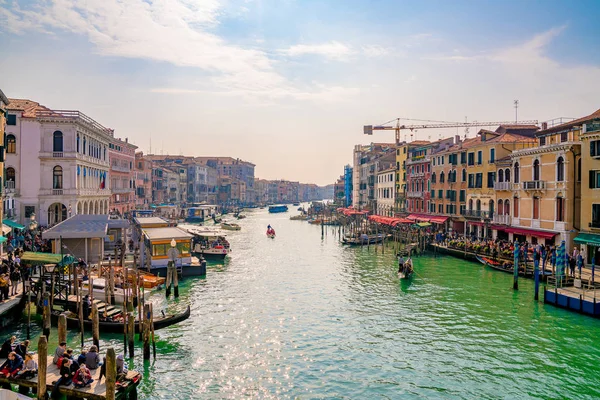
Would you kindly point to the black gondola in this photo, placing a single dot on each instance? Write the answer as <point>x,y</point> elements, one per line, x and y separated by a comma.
<point>117,326</point>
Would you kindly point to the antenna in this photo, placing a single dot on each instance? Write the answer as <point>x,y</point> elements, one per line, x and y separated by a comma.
<point>516,102</point>
<point>150,150</point>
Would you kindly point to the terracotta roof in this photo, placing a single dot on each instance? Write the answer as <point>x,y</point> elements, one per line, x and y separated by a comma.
<point>570,124</point>
<point>419,142</point>
<point>512,137</point>
<point>28,107</point>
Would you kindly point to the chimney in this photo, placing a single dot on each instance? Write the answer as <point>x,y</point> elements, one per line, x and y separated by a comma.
<point>456,139</point>
<point>544,126</point>
<point>126,140</point>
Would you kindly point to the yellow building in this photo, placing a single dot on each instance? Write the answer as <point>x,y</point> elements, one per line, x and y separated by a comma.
<point>589,236</point>
<point>401,157</point>
<point>464,176</point>
<point>546,187</point>
<point>3,113</point>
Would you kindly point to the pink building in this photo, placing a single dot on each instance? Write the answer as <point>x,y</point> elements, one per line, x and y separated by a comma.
<point>121,155</point>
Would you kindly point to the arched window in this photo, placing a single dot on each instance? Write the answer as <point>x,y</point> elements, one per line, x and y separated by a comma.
<point>11,175</point>
<point>464,175</point>
<point>500,207</point>
<point>516,207</point>
<point>500,177</point>
<point>516,167</point>
<point>560,208</point>
<point>433,177</point>
<point>57,142</point>
<point>560,169</point>
<point>536,170</point>
<point>78,143</point>
<point>470,204</point>
<point>478,205</point>
<point>442,177</point>
<point>507,207</point>
<point>84,144</point>
<point>11,144</point>
<point>491,208</point>
<point>57,177</point>
<point>507,174</point>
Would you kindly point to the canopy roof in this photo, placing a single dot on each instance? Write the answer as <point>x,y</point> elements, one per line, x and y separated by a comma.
<point>41,258</point>
<point>588,238</point>
<point>84,226</point>
<point>351,211</point>
<point>167,233</point>
<point>12,224</point>
<point>434,219</point>
<point>391,221</point>
<point>531,232</point>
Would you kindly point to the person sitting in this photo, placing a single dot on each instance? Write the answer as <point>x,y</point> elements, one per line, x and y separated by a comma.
<point>30,367</point>
<point>121,367</point>
<point>7,347</point>
<point>66,377</point>
<point>81,358</point>
<point>12,366</point>
<point>83,377</point>
<point>22,347</point>
<point>59,352</point>
<point>92,359</point>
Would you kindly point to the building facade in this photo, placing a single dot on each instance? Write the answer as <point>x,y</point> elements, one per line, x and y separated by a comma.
<point>385,190</point>
<point>58,161</point>
<point>143,182</point>
<point>121,155</point>
<point>7,193</point>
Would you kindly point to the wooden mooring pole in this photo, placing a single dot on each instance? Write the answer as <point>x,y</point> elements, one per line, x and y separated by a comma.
<point>111,374</point>
<point>131,333</point>
<point>95,326</point>
<point>46,315</point>
<point>62,328</point>
<point>42,368</point>
<point>147,317</point>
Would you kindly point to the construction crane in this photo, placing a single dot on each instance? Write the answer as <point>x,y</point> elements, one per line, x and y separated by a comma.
<point>431,124</point>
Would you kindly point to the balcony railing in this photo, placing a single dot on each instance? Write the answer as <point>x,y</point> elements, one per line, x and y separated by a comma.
<point>502,186</point>
<point>72,115</point>
<point>477,213</point>
<point>414,194</point>
<point>534,185</point>
<point>120,168</point>
<point>502,219</point>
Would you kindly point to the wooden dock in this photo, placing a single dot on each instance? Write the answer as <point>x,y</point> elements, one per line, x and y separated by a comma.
<point>96,391</point>
<point>10,306</point>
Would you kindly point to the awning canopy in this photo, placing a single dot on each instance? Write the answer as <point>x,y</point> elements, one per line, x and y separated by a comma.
<point>41,258</point>
<point>3,239</point>
<point>531,232</point>
<point>477,223</point>
<point>434,219</point>
<point>423,224</point>
<point>351,211</point>
<point>588,238</point>
<point>6,229</point>
<point>12,224</point>
<point>391,221</point>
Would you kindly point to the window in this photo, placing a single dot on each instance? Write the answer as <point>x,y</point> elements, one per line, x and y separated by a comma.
<point>536,170</point>
<point>57,141</point>
<point>57,177</point>
<point>433,194</point>
<point>478,205</point>
<point>564,136</point>
<point>491,208</point>
<point>595,215</point>
<point>516,167</point>
<point>471,159</point>
<point>441,208</point>
<point>462,195</point>
<point>501,175</point>
<point>463,157</point>
<point>442,177</point>
<point>479,157</point>
<point>507,207</point>
<point>470,204</point>
<point>560,209</point>
<point>11,144</point>
<point>84,144</point>
<point>479,180</point>
<point>471,181</point>
<point>464,175</point>
<point>492,155</point>
<point>560,169</point>
<point>433,177</point>
<point>595,148</point>
<point>11,119</point>
<point>491,178</point>
<point>507,175</point>
<point>500,207</point>
<point>440,194</point>
<point>11,175</point>
<point>594,180</point>
<point>536,208</point>
<point>543,141</point>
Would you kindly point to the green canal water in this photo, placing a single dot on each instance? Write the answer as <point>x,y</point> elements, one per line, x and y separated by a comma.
<point>303,317</point>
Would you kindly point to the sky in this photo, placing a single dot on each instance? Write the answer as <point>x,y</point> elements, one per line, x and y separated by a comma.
<point>289,84</point>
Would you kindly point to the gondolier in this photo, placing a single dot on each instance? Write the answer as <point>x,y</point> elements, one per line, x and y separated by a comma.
<point>172,255</point>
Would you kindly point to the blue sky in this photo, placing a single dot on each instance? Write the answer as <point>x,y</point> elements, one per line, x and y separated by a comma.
<point>288,84</point>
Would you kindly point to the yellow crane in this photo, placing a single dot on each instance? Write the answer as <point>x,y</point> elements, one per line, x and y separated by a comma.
<point>431,124</point>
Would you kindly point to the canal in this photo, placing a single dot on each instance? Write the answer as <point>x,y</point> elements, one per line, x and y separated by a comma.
<point>302,317</point>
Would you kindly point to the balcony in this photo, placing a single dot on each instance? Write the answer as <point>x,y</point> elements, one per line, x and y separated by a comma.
<point>478,214</point>
<point>414,194</point>
<point>534,185</point>
<point>121,190</point>
<point>9,187</point>
<point>502,219</point>
<point>119,168</point>
<point>503,186</point>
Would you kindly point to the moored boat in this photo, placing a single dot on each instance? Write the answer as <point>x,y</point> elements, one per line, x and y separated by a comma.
<point>363,240</point>
<point>278,209</point>
<point>230,227</point>
<point>209,244</point>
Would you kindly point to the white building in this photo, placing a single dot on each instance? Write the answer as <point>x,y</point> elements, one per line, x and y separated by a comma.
<point>385,192</point>
<point>58,161</point>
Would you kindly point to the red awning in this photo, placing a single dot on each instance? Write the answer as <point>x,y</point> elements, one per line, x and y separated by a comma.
<point>434,219</point>
<point>391,221</point>
<point>477,223</point>
<point>350,211</point>
<point>498,227</point>
<point>531,232</point>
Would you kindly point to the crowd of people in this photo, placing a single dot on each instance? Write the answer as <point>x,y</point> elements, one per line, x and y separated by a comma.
<point>76,370</point>
<point>12,273</point>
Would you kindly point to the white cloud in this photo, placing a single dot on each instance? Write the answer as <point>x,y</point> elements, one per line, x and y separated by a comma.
<point>376,51</point>
<point>333,50</point>
<point>178,32</point>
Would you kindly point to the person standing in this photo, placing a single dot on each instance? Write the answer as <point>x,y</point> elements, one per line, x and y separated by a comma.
<point>15,277</point>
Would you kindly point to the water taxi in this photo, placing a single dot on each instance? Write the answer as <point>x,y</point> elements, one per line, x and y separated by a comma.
<point>278,209</point>
<point>209,244</point>
<point>200,213</point>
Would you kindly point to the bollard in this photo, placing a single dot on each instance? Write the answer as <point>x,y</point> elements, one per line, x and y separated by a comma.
<point>42,368</point>
<point>111,374</point>
<point>95,326</point>
<point>131,333</point>
<point>46,317</point>
<point>147,331</point>
<point>62,328</point>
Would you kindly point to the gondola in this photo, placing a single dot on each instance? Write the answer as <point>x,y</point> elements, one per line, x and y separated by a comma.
<point>498,266</point>
<point>363,240</point>
<point>117,326</point>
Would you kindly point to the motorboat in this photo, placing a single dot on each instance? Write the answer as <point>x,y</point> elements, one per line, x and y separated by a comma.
<point>209,244</point>
<point>100,292</point>
<point>230,226</point>
<point>278,209</point>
